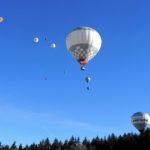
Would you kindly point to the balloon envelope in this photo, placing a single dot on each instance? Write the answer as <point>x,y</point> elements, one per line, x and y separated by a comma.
<point>83,43</point>
<point>140,120</point>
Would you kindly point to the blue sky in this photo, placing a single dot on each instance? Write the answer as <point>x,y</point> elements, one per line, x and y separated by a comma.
<point>32,108</point>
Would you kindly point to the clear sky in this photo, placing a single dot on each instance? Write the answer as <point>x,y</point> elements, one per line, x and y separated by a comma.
<point>32,108</point>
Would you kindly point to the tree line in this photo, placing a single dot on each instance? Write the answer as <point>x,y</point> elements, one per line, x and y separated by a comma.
<point>126,141</point>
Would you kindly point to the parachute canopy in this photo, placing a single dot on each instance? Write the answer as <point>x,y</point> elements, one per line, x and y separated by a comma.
<point>83,43</point>
<point>1,19</point>
<point>140,120</point>
<point>36,39</point>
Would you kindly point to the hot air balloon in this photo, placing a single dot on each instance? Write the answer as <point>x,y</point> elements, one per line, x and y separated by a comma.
<point>140,120</point>
<point>88,88</point>
<point>88,79</point>
<point>83,43</point>
<point>1,19</point>
<point>45,78</point>
<point>53,45</point>
<point>36,39</point>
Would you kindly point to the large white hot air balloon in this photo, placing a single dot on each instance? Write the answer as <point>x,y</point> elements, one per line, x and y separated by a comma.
<point>83,43</point>
<point>140,120</point>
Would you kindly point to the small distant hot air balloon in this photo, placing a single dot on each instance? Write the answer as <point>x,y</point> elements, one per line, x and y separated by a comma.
<point>1,19</point>
<point>140,120</point>
<point>45,78</point>
<point>53,45</point>
<point>36,39</point>
<point>88,79</point>
<point>88,88</point>
<point>83,43</point>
